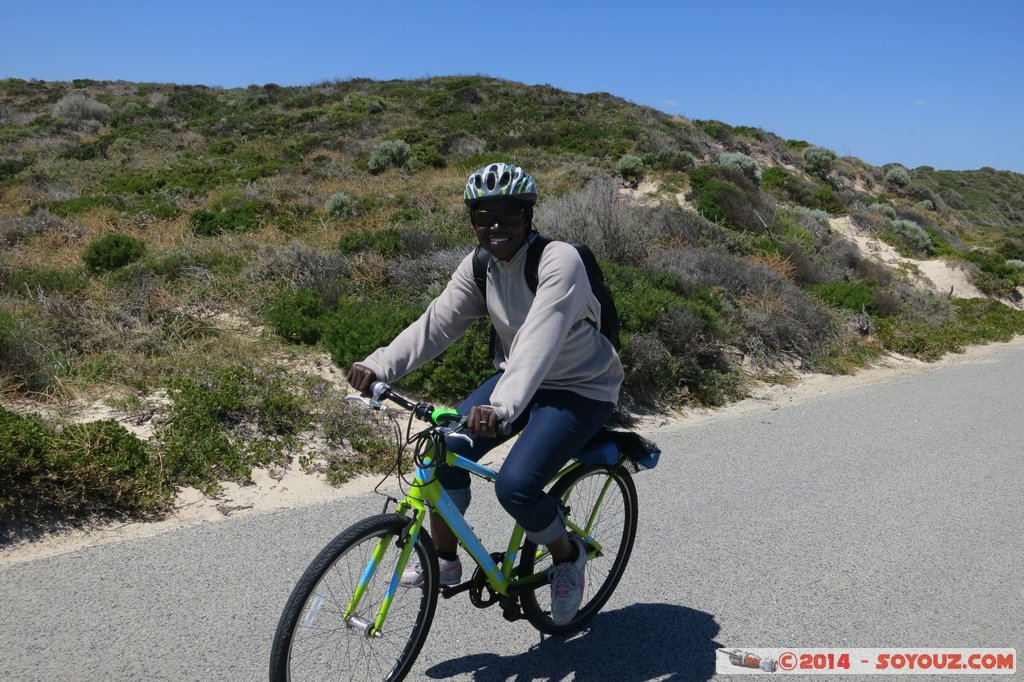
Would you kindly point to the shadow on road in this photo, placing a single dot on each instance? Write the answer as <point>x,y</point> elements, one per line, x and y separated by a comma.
<point>634,644</point>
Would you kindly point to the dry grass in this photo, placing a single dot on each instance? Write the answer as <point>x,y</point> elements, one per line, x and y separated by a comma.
<point>777,263</point>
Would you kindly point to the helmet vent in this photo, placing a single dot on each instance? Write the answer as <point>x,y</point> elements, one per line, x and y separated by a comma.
<point>500,180</point>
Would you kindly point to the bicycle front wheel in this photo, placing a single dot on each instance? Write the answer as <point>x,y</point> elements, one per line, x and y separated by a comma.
<point>602,502</point>
<point>314,639</point>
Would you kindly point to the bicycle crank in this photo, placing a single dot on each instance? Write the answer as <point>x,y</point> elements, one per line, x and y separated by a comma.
<point>481,594</point>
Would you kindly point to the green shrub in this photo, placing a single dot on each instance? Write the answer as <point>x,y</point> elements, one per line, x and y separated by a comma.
<point>9,166</point>
<point>631,169</point>
<point>386,242</point>
<point>247,216</point>
<point>297,316</point>
<point>743,162</point>
<point>995,275</point>
<point>747,131</point>
<point>884,209</point>
<point>788,187</point>
<point>358,327</point>
<point>819,161</point>
<point>909,235</point>
<point>429,156</point>
<point>727,196</point>
<point>71,207</point>
<point>640,297</point>
<point>977,320</point>
<point>715,129</point>
<point>113,251</point>
<point>671,342</point>
<point>27,356</point>
<point>825,198</point>
<point>776,178</point>
<point>340,205</point>
<point>24,443</point>
<point>459,370</point>
<point>83,469</point>
<point>214,408</point>
<point>390,154</point>
<point>897,176</point>
<point>855,296</point>
<point>105,465</point>
<point>29,281</point>
<point>669,159</point>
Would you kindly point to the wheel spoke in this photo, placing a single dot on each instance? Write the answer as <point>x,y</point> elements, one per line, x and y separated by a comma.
<point>327,647</point>
<point>606,503</point>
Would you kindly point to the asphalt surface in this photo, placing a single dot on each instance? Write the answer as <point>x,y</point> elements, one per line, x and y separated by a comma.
<point>887,515</point>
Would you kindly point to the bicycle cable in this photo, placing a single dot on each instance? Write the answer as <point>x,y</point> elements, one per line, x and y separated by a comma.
<point>429,440</point>
<point>397,435</point>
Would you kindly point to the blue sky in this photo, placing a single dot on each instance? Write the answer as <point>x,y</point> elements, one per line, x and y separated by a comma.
<point>937,83</point>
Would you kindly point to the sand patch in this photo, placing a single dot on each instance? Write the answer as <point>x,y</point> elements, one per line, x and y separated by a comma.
<point>945,277</point>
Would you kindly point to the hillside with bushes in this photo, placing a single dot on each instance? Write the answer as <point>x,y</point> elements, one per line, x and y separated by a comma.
<point>190,257</point>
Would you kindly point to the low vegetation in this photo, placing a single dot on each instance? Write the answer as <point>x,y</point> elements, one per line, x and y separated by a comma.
<point>185,251</point>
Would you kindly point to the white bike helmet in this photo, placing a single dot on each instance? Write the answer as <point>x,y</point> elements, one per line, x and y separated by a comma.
<point>501,180</point>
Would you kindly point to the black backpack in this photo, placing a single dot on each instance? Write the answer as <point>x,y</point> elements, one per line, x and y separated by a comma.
<point>609,316</point>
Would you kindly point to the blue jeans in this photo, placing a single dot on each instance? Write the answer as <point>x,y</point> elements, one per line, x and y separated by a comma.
<point>554,427</point>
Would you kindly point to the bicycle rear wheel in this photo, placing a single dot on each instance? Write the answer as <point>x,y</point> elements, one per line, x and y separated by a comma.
<point>601,501</point>
<point>315,642</point>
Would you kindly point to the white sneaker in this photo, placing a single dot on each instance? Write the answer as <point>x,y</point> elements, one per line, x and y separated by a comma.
<point>567,580</point>
<point>412,576</point>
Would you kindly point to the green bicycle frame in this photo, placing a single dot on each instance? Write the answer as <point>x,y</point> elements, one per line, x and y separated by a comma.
<point>427,492</point>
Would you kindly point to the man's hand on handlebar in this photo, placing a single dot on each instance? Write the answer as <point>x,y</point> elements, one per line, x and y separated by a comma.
<point>361,377</point>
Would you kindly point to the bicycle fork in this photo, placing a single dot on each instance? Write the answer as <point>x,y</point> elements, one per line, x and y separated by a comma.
<point>407,541</point>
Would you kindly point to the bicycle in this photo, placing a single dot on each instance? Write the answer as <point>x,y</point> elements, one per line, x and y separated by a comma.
<point>348,615</point>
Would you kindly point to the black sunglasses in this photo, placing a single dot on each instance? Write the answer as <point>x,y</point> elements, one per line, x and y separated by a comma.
<point>513,217</point>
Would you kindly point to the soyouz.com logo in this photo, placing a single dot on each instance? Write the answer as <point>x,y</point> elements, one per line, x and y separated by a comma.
<point>893,661</point>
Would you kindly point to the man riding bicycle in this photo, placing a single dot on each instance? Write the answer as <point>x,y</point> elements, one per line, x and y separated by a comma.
<point>557,378</point>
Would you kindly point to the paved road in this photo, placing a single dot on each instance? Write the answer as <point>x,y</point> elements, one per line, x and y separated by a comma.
<point>887,515</point>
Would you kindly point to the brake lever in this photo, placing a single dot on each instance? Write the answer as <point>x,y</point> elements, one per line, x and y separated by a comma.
<point>455,432</point>
<point>462,436</point>
<point>369,402</point>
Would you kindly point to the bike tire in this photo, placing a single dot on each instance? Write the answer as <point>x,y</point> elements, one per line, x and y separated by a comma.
<point>312,642</point>
<point>614,526</point>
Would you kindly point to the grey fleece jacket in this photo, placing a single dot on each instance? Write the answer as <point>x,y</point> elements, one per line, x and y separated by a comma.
<point>543,341</point>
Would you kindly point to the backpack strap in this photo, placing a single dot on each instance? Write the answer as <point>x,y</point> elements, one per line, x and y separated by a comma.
<point>481,259</point>
<point>533,254</point>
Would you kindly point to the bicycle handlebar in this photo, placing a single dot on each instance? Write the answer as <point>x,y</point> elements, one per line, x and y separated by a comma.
<point>423,411</point>
<point>382,391</point>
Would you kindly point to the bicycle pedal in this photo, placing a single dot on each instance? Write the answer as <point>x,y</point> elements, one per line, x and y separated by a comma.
<point>449,591</point>
<point>510,610</point>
